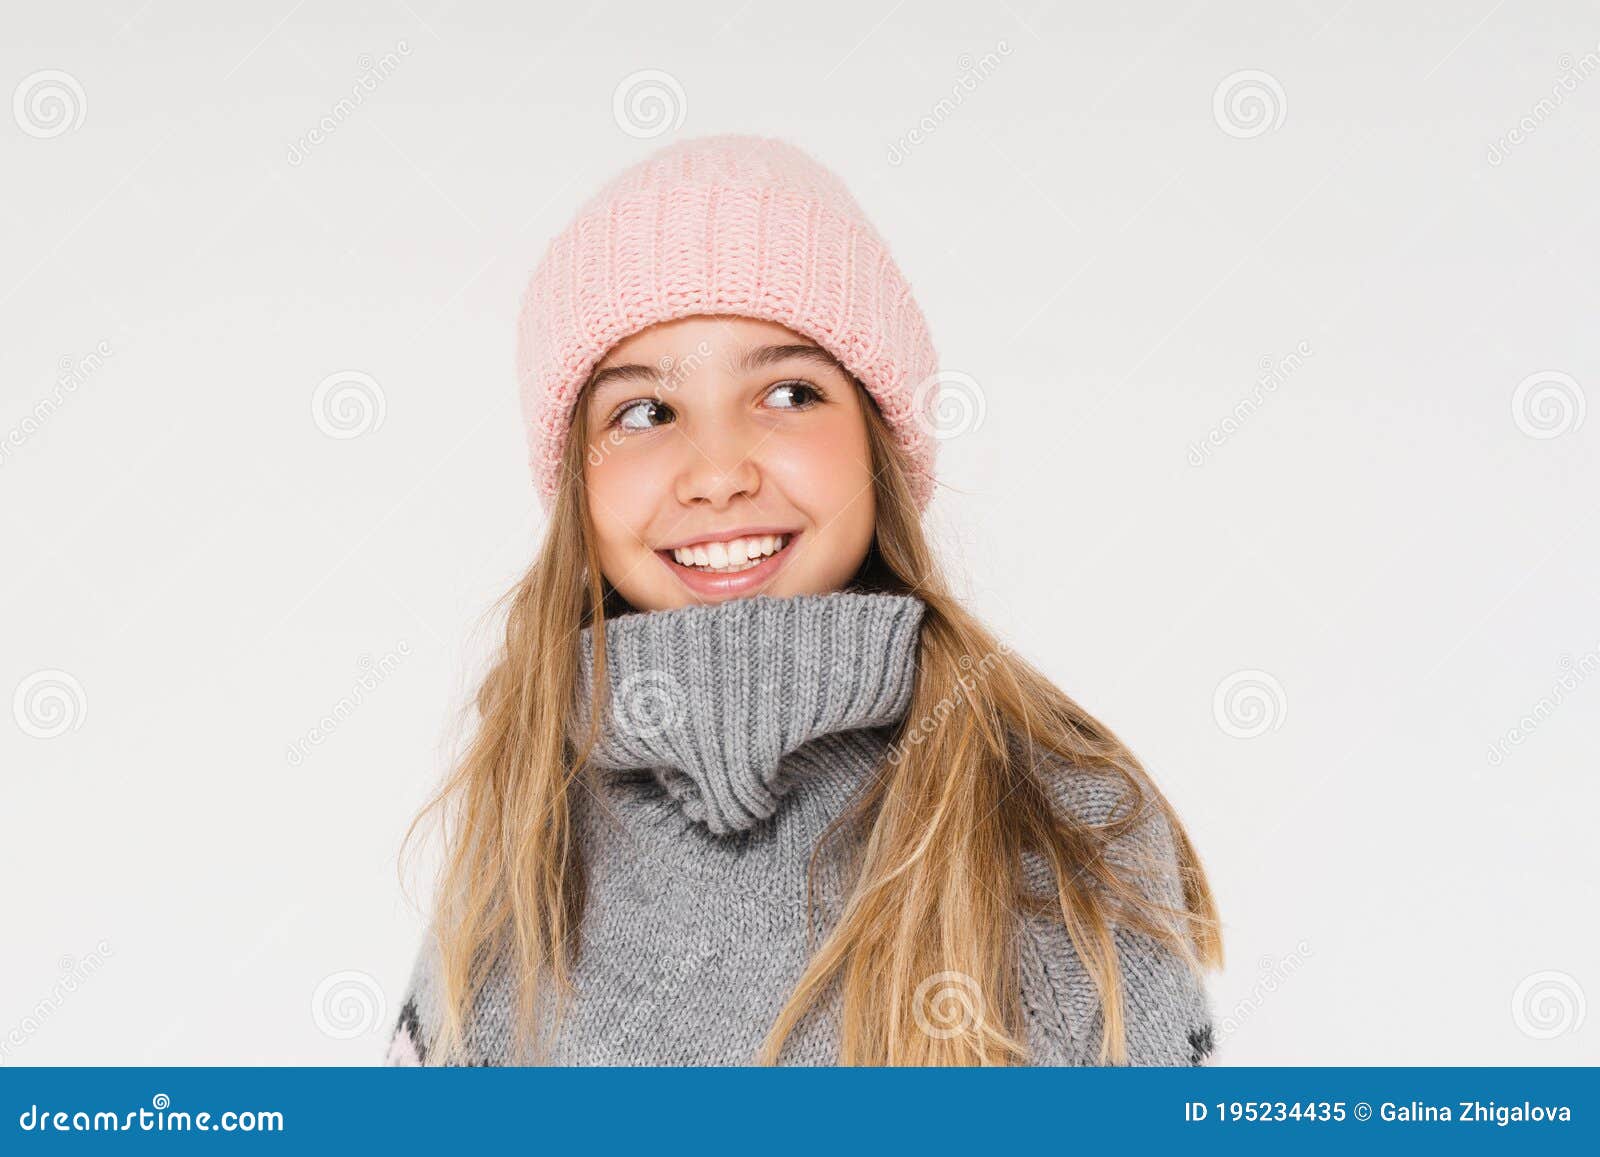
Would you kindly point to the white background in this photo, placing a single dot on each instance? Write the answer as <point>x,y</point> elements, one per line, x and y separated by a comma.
<point>1106,254</point>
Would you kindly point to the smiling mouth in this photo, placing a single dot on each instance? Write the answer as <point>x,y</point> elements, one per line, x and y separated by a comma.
<point>730,556</point>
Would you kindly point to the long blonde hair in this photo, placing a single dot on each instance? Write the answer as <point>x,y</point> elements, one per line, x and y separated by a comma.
<point>938,874</point>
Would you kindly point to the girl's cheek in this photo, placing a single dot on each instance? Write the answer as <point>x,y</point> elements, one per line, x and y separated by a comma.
<point>822,470</point>
<point>622,489</point>
<point>831,487</point>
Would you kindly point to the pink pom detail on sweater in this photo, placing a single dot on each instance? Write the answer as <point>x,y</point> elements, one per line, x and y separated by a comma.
<point>403,1051</point>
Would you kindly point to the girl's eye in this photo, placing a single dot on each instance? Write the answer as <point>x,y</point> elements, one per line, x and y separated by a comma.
<point>642,414</point>
<point>795,395</point>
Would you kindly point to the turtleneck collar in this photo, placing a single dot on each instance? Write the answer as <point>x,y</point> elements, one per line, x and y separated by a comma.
<point>714,698</point>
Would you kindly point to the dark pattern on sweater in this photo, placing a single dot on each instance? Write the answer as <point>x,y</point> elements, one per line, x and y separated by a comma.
<point>410,1024</point>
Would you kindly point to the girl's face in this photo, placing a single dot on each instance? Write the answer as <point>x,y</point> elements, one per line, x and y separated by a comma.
<point>726,457</point>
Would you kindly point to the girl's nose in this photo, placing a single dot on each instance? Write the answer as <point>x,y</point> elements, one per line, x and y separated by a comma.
<point>715,475</point>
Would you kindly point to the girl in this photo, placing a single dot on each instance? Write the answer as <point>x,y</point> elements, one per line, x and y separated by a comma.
<point>750,785</point>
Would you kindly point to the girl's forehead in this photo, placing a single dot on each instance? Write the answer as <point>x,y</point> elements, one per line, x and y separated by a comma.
<point>721,333</point>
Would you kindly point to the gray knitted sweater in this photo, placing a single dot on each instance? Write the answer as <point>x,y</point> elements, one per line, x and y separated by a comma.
<point>738,731</point>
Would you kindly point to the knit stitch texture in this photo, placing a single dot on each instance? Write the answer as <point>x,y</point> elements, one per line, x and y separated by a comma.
<point>737,732</point>
<point>727,224</point>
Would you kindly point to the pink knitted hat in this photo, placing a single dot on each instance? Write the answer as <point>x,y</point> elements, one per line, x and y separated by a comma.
<point>727,224</point>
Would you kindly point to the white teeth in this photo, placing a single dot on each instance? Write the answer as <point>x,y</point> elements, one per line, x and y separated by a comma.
<point>734,555</point>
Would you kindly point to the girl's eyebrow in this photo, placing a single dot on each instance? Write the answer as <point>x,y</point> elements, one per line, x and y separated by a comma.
<point>753,358</point>
<point>758,357</point>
